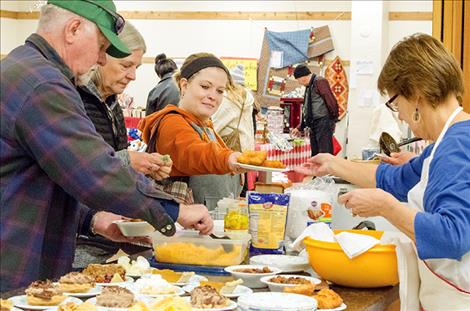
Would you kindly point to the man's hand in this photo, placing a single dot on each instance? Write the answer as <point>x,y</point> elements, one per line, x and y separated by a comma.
<point>153,164</point>
<point>104,226</point>
<point>195,216</point>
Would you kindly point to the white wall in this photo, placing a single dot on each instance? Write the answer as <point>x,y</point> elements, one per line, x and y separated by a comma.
<point>236,38</point>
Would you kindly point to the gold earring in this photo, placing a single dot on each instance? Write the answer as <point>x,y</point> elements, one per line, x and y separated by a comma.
<point>416,116</point>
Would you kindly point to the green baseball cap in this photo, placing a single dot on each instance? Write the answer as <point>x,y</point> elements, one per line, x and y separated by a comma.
<point>103,14</point>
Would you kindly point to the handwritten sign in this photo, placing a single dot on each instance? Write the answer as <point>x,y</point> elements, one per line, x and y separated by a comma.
<point>250,65</point>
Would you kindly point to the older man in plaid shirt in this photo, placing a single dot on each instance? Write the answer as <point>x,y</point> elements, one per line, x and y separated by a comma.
<point>51,156</point>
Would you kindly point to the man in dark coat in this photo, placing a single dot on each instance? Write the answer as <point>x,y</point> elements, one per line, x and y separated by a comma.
<point>319,110</point>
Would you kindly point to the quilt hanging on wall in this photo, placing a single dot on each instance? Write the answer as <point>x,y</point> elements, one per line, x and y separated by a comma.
<point>336,76</point>
<point>281,51</point>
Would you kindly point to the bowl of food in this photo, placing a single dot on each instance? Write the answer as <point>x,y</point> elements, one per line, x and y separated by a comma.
<point>375,268</point>
<point>252,274</point>
<point>277,283</point>
<point>134,227</point>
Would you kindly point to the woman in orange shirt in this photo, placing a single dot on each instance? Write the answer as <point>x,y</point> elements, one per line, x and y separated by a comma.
<point>186,132</point>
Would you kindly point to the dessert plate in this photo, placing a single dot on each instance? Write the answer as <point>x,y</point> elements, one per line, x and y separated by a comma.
<point>22,303</point>
<point>179,292</point>
<point>90,293</point>
<point>232,306</point>
<point>238,291</point>
<point>261,168</point>
<point>100,308</point>
<point>342,307</point>
<point>128,281</point>
<point>277,301</point>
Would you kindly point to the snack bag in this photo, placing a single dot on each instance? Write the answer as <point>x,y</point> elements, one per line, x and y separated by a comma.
<point>268,217</point>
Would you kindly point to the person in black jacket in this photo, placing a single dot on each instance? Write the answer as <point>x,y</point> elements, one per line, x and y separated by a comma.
<point>99,96</point>
<point>166,92</point>
<point>319,111</point>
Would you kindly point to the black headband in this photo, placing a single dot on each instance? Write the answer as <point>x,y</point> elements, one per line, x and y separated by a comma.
<point>201,63</point>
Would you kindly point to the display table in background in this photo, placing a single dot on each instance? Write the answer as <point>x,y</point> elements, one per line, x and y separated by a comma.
<point>291,159</point>
<point>132,122</point>
<point>292,110</point>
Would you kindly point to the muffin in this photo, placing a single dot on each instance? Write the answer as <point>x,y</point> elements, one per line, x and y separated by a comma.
<point>6,305</point>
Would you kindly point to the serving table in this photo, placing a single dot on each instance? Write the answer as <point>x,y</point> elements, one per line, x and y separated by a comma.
<point>356,299</point>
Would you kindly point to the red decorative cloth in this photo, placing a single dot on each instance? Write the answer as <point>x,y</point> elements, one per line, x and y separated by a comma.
<point>336,76</point>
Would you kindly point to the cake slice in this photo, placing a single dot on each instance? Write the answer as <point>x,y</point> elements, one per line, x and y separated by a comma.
<point>229,287</point>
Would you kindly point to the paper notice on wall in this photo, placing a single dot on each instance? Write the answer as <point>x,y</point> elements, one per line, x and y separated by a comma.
<point>364,67</point>
<point>276,59</point>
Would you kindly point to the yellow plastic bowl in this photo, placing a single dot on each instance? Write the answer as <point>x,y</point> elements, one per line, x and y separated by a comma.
<point>375,268</point>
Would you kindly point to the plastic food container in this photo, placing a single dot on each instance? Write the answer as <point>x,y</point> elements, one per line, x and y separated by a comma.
<point>375,268</point>
<point>134,228</point>
<point>189,247</point>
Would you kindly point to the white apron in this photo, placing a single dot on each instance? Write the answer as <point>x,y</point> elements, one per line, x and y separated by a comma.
<point>445,283</point>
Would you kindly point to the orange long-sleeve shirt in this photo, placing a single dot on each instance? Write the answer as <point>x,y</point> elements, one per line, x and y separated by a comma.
<point>191,154</point>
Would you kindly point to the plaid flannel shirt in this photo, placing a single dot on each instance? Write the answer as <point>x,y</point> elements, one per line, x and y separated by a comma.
<point>51,157</point>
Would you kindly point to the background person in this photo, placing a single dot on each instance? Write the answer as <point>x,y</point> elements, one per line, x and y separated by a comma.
<point>425,83</point>
<point>99,97</point>
<point>233,121</point>
<point>319,110</point>
<point>52,156</point>
<point>186,132</point>
<point>166,92</point>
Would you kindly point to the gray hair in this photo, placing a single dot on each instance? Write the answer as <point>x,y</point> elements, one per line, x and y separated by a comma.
<point>53,17</point>
<point>132,39</point>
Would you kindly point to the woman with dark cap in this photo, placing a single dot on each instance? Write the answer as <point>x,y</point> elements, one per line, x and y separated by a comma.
<point>166,92</point>
<point>187,134</point>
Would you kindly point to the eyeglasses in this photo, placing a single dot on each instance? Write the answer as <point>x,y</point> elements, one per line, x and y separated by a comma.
<point>119,21</point>
<point>392,106</point>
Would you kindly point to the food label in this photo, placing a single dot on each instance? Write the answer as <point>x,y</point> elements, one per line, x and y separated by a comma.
<point>268,215</point>
<point>319,212</point>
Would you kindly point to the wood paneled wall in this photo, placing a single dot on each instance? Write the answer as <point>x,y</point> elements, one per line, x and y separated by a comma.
<point>451,25</point>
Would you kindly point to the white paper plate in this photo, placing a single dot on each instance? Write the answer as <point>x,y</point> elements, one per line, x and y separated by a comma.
<point>277,301</point>
<point>286,263</point>
<point>133,229</point>
<point>179,292</point>
<point>128,281</point>
<point>21,302</point>
<point>92,292</point>
<point>194,279</point>
<point>232,306</point>
<point>279,287</point>
<point>100,308</point>
<point>342,307</point>
<point>261,168</point>
<point>237,292</point>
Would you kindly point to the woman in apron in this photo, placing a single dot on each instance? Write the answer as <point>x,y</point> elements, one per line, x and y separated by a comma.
<point>427,198</point>
<point>203,165</point>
